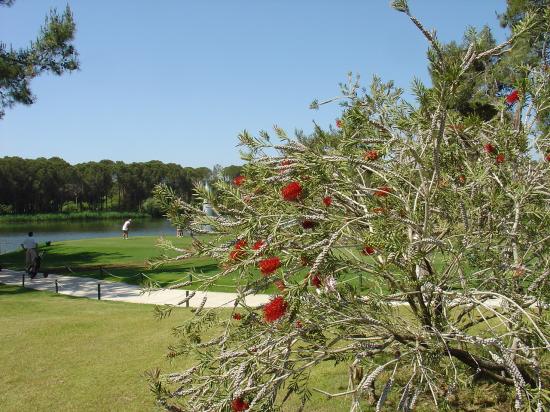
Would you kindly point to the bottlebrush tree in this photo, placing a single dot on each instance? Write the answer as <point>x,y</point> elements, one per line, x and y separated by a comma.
<point>446,219</point>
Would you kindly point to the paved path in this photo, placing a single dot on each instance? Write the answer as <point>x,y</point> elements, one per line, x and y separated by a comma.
<point>87,288</point>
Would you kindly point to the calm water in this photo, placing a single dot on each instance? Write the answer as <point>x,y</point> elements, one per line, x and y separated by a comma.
<point>12,234</point>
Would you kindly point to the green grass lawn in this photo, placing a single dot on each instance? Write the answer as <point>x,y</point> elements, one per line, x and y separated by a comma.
<point>74,354</point>
<point>127,258</point>
<point>64,353</point>
<point>123,258</point>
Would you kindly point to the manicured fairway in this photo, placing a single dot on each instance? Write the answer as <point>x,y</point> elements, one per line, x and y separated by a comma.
<point>126,259</point>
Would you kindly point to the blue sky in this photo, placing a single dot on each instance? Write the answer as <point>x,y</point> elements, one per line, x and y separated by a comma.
<point>177,81</point>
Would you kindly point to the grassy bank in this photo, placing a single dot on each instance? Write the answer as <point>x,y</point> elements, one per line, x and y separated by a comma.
<point>87,215</point>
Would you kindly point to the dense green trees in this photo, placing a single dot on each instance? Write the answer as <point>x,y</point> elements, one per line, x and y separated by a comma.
<point>53,185</point>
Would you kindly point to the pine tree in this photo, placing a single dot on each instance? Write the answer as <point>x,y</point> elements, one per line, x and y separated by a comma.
<point>51,52</point>
<point>444,216</point>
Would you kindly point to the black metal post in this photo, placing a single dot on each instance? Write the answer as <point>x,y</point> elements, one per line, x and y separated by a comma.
<point>187,301</point>
<point>141,278</point>
<point>56,287</point>
<point>23,280</point>
<point>99,291</point>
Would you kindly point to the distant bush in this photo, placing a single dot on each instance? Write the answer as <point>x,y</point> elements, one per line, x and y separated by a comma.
<point>5,209</point>
<point>69,207</point>
<point>151,207</point>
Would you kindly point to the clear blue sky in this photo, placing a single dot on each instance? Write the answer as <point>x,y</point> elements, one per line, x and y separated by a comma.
<point>178,80</point>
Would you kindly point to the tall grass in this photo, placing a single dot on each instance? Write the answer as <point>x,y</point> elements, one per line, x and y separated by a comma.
<point>87,215</point>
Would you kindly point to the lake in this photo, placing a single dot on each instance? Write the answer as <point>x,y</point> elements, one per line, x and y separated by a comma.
<point>12,234</point>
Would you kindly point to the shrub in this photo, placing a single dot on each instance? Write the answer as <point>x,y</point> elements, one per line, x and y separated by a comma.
<point>451,238</point>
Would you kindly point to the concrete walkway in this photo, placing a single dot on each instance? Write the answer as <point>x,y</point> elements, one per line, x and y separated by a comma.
<point>123,292</point>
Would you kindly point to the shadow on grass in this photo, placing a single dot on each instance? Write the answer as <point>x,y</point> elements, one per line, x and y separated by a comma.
<point>53,260</point>
<point>6,290</point>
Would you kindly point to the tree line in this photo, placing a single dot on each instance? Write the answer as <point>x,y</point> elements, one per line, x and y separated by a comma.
<point>53,185</point>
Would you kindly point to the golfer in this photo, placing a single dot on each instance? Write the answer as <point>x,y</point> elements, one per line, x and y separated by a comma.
<point>31,253</point>
<point>125,228</point>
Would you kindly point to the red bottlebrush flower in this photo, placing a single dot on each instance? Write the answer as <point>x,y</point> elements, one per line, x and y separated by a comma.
<point>500,158</point>
<point>238,405</point>
<point>378,210</point>
<point>327,200</point>
<point>382,191</point>
<point>291,191</point>
<point>237,316</point>
<point>368,250</point>
<point>338,123</point>
<point>237,251</point>
<point>239,180</point>
<point>316,281</point>
<point>512,97</point>
<point>280,285</point>
<point>304,260</point>
<point>547,157</point>
<point>299,324</point>
<point>489,148</point>
<point>309,224</point>
<point>462,179</point>
<point>275,309</point>
<point>371,155</point>
<point>269,265</point>
<point>258,245</point>
<point>286,162</point>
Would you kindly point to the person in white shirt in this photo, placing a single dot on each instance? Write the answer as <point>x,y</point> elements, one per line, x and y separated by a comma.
<point>31,252</point>
<point>125,228</point>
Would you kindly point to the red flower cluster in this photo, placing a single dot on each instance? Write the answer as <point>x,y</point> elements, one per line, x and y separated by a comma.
<point>378,210</point>
<point>238,405</point>
<point>309,224</point>
<point>338,123</point>
<point>369,250</point>
<point>299,324</point>
<point>269,265</point>
<point>280,285</point>
<point>500,158</point>
<point>239,180</point>
<point>291,191</point>
<point>462,179</point>
<point>327,200</point>
<point>237,316</point>
<point>238,251</point>
<point>489,148</point>
<point>286,162</point>
<point>316,281</point>
<point>258,245</point>
<point>547,157</point>
<point>371,155</point>
<point>382,191</point>
<point>512,97</point>
<point>275,309</point>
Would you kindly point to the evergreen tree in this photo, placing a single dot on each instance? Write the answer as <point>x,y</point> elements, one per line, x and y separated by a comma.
<point>51,52</point>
